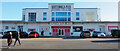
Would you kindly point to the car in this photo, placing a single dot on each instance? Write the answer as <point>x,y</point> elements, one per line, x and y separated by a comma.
<point>115,33</point>
<point>33,34</point>
<point>23,34</point>
<point>7,33</point>
<point>85,34</point>
<point>98,34</point>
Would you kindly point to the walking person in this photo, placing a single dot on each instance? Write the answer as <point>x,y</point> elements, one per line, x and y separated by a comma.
<point>9,39</point>
<point>17,38</point>
<point>42,33</point>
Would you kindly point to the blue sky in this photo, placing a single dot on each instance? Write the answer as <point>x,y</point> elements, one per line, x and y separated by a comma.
<point>13,10</point>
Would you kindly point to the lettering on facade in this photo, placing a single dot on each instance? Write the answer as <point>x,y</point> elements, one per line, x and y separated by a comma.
<point>60,23</point>
<point>61,7</point>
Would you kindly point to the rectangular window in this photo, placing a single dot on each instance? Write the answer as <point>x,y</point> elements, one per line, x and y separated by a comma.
<point>61,19</point>
<point>32,16</point>
<point>53,13</point>
<point>61,13</point>
<point>77,15</point>
<point>20,28</point>
<point>69,14</point>
<point>44,15</point>
<point>6,27</point>
<point>23,17</point>
<point>53,19</point>
<point>69,19</point>
<point>61,16</point>
<point>44,18</point>
<point>77,18</point>
<point>13,27</point>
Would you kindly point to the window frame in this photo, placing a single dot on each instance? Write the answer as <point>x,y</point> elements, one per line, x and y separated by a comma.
<point>6,27</point>
<point>32,17</point>
<point>44,15</point>
<point>77,14</point>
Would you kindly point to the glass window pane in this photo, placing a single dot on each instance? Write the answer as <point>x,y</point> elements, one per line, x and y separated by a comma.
<point>69,13</point>
<point>69,19</point>
<point>32,17</point>
<point>53,19</point>
<point>44,18</point>
<point>61,13</point>
<point>53,13</point>
<point>61,16</point>
<point>44,14</point>
<point>77,18</point>
<point>77,13</point>
<point>61,19</point>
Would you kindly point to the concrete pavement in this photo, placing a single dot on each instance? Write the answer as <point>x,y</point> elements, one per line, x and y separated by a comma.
<point>60,43</point>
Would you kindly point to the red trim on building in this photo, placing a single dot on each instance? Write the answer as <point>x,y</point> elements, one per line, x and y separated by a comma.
<point>56,28</point>
<point>112,27</point>
<point>32,29</point>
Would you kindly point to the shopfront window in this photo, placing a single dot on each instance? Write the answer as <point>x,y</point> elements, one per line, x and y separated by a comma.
<point>6,27</point>
<point>13,27</point>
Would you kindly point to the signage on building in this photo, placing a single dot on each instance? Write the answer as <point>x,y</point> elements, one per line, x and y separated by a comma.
<point>61,7</point>
<point>91,29</point>
<point>77,28</point>
<point>112,27</point>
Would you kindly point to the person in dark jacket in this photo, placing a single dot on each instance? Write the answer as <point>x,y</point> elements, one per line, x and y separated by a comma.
<point>9,39</point>
<point>17,38</point>
<point>42,33</point>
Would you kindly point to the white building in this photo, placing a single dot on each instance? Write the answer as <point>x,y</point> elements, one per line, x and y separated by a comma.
<point>60,18</point>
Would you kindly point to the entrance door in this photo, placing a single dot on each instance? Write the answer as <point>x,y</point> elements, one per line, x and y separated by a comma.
<point>55,32</point>
<point>67,32</point>
<point>61,32</point>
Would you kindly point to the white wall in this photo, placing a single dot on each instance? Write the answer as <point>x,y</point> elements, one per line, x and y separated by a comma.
<point>39,14</point>
<point>73,11</point>
<point>26,26</point>
<point>83,12</point>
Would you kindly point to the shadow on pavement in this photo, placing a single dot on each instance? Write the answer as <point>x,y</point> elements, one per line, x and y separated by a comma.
<point>72,38</point>
<point>106,41</point>
<point>6,49</point>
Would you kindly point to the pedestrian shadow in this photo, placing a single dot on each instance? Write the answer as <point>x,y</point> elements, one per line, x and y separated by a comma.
<point>106,41</point>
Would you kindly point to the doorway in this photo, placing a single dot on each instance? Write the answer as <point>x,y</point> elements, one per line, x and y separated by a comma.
<point>61,32</point>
